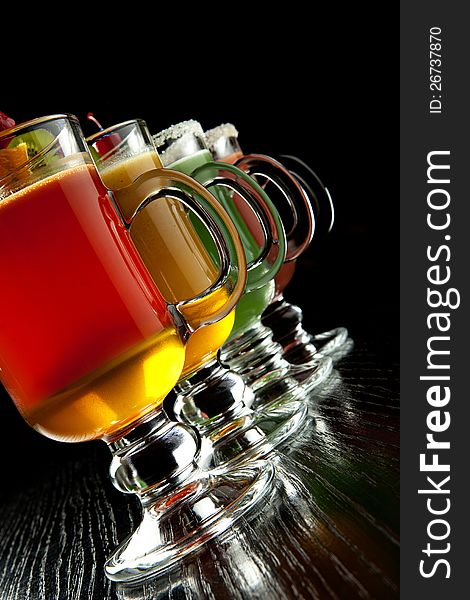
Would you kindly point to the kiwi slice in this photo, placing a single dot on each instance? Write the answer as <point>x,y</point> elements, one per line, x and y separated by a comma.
<point>36,140</point>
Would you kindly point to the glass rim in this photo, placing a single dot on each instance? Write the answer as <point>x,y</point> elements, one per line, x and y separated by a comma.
<point>111,128</point>
<point>175,132</point>
<point>38,120</point>
<point>224,130</point>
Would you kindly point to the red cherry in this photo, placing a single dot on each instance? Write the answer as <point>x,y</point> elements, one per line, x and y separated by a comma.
<point>5,121</point>
<point>104,145</point>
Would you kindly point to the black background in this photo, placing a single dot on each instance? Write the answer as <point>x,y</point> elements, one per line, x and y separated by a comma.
<point>322,86</point>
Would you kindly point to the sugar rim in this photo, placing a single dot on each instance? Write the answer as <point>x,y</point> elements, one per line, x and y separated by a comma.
<point>223,130</point>
<point>176,131</point>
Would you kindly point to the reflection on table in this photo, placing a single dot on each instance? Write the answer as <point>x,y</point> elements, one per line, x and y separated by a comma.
<point>328,530</point>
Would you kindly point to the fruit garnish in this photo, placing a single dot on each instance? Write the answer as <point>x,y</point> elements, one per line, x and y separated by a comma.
<point>5,121</point>
<point>35,140</point>
<point>104,145</point>
<point>91,117</point>
<point>12,158</point>
<point>22,148</point>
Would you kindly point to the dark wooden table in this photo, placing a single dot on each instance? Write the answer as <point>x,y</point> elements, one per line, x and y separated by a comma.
<point>329,531</point>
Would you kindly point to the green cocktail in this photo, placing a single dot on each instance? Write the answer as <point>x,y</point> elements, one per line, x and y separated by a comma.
<point>250,351</point>
<point>254,301</point>
<point>247,421</point>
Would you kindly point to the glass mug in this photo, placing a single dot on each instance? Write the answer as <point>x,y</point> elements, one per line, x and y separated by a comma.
<point>207,395</point>
<point>250,349</point>
<point>89,348</point>
<point>312,219</point>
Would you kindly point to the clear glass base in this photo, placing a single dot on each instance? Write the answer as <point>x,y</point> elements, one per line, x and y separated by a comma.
<point>300,347</point>
<point>214,402</point>
<point>255,436</point>
<point>335,343</point>
<point>260,360</point>
<point>312,373</point>
<point>177,524</point>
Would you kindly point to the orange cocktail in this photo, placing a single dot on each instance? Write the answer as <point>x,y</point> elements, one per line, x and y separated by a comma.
<point>87,344</point>
<point>174,255</point>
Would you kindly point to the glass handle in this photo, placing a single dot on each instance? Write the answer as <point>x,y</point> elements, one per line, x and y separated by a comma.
<point>158,184</point>
<point>226,181</point>
<point>294,198</point>
<point>318,193</point>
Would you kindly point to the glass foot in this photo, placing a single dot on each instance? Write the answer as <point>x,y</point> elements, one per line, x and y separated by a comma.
<point>214,403</point>
<point>258,359</point>
<point>177,524</point>
<point>336,343</point>
<point>261,361</point>
<point>256,435</point>
<point>299,346</point>
<point>306,348</point>
<point>313,372</point>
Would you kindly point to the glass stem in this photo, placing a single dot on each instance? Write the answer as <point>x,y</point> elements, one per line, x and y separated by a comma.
<point>299,346</point>
<point>154,457</point>
<point>211,397</point>
<point>256,355</point>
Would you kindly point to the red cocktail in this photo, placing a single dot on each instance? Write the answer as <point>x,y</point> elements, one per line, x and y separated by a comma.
<point>81,322</point>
